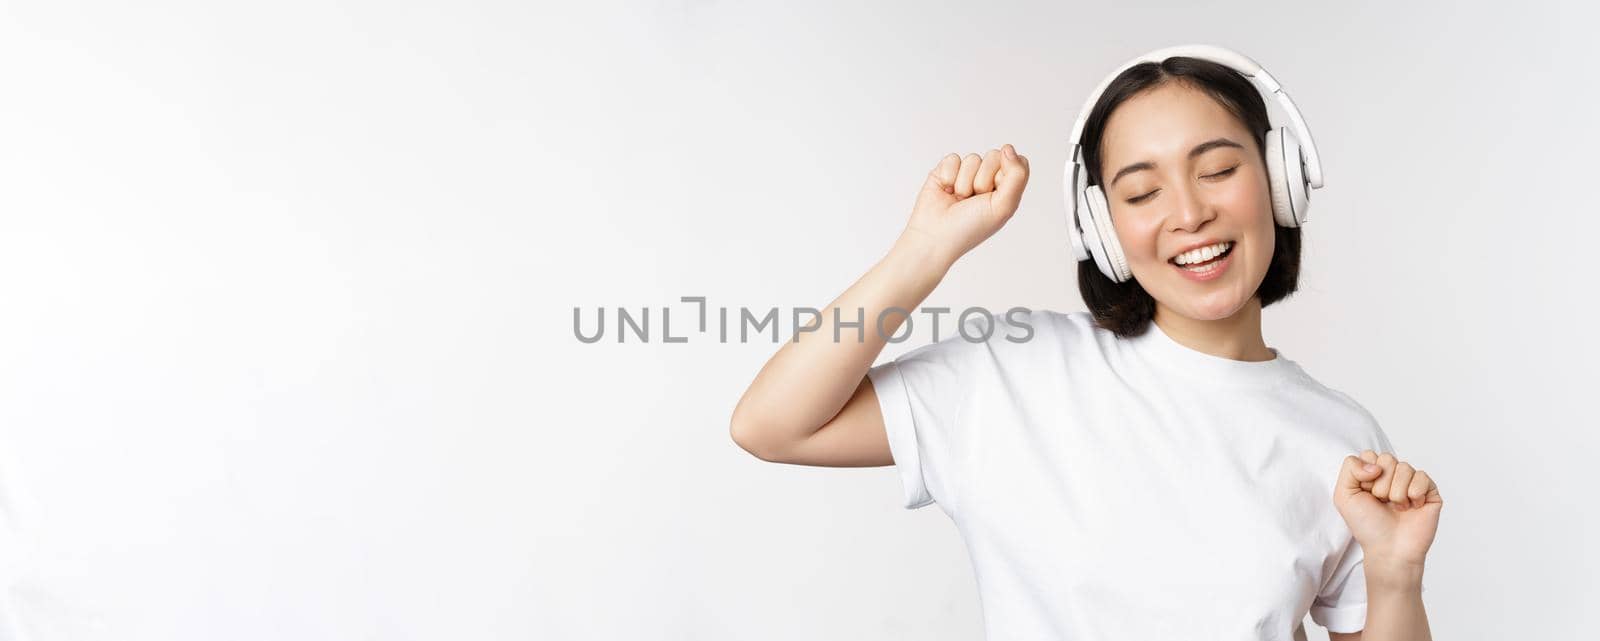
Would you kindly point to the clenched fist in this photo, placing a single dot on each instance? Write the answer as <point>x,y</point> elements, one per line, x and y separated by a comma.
<point>1392,509</point>
<point>964,201</point>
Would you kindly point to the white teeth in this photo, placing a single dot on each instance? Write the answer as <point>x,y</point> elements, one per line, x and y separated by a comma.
<point>1202,254</point>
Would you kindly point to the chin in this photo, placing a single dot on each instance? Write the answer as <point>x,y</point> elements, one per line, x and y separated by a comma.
<point>1209,310</point>
<point>1218,304</point>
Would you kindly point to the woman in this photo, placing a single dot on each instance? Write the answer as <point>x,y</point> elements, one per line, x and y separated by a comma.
<point>1151,468</point>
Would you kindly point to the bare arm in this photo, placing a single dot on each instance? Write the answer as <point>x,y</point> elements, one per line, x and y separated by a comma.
<point>1394,603</point>
<point>812,402</point>
<point>1394,609</point>
<point>810,379</point>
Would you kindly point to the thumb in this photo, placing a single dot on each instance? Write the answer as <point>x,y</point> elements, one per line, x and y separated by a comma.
<point>934,185</point>
<point>1355,472</point>
<point>941,179</point>
<point>1011,181</point>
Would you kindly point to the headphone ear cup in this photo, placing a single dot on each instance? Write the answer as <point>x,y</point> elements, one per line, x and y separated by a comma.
<point>1080,246</point>
<point>1105,246</point>
<point>1072,185</point>
<point>1286,178</point>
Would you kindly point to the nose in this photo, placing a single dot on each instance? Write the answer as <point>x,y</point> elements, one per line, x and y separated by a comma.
<point>1192,210</point>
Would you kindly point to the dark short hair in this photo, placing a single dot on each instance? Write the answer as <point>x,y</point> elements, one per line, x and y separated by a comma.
<point>1126,308</point>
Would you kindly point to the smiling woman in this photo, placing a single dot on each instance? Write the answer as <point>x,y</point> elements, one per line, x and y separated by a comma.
<point>1189,139</point>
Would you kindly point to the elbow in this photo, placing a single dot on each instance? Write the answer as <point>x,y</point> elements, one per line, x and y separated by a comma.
<point>747,436</point>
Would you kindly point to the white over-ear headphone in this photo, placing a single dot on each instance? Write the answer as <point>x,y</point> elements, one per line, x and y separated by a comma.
<point>1293,168</point>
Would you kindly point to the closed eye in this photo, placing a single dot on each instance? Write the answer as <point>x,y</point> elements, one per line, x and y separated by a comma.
<point>1141,198</point>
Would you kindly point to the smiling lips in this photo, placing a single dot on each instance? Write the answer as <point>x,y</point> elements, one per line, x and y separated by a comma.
<point>1204,263</point>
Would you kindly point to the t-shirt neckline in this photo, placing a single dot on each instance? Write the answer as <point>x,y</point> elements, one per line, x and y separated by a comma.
<point>1155,344</point>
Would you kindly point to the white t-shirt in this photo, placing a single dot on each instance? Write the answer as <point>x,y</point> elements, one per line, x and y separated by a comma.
<point>1116,489</point>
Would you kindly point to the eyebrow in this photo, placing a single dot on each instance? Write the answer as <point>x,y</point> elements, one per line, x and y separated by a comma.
<point>1198,149</point>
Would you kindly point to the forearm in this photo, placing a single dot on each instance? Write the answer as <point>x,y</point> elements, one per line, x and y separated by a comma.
<point>811,377</point>
<point>1394,603</point>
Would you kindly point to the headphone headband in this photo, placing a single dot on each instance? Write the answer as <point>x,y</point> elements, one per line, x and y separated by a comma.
<point>1231,59</point>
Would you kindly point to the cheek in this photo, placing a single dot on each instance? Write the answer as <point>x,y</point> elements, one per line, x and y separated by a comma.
<point>1247,197</point>
<point>1138,236</point>
<point>1253,206</point>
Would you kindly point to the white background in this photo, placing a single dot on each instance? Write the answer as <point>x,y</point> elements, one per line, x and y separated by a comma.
<point>286,293</point>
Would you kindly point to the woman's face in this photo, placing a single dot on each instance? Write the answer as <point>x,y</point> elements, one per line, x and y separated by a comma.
<point>1179,172</point>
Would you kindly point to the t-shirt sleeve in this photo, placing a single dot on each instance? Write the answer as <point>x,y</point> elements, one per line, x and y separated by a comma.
<point>921,394</point>
<point>1341,604</point>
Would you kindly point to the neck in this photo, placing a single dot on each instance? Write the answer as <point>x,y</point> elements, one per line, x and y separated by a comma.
<point>1236,337</point>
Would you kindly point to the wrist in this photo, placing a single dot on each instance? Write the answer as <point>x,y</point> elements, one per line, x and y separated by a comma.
<point>918,248</point>
<point>1392,575</point>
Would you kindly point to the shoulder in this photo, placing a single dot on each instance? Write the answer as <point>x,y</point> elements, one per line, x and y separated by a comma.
<point>1355,422</point>
<point>1040,347</point>
<point>1018,339</point>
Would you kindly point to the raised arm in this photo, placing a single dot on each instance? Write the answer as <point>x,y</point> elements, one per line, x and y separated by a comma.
<point>1393,511</point>
<point>812,403</point>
